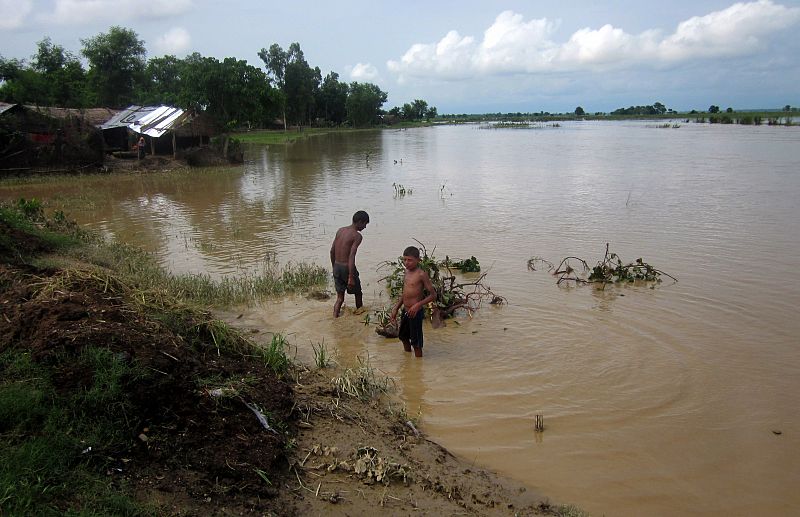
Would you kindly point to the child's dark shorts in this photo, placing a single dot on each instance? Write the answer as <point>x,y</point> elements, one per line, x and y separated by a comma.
<point>340,273</point>
<point>411,328</point>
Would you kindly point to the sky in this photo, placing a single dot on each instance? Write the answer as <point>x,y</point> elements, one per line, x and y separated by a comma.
<point>471,56</point>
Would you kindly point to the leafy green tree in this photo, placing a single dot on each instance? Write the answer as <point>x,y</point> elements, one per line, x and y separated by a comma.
<point>332,99</point>
<point>19,82</point>
<point>54,78</point>
<point>431,113</point>
<point>416,110</point>
<point>62,74</point>
<point>301,86</point>
<point>297,81</point>
<point>787,108</point>
<point>407,111</point>
<point>116,66</point>
<point>729,110</point>
<point>9,68</point>
<point>163,81</point>
<point>713,109</point>
<point>579,112</point>
<point>419,108</point>
<point>275,60</point>
<point>656,109</point>
<point>231,91</point>
<point>364,104</point>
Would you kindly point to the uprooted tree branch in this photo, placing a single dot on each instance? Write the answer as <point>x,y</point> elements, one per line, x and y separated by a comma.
<point>452,293</point>
<point>609,270</point>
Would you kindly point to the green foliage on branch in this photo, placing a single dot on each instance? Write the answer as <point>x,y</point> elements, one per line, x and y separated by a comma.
<point>116,66</point>
<point>470,265</point>
<point>364,104</point>
<point>450,294</point>
<point>609,270</point>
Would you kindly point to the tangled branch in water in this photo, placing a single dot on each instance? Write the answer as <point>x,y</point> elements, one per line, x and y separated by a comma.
<point>609,270</point>
<point>451,294</point>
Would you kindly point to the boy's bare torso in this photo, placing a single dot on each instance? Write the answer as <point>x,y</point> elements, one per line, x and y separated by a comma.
<point>413,287</point>
<point>343,243</point>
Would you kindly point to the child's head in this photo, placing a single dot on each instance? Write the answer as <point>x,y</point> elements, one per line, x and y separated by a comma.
<point>411,257</point>
<point>360,219</point>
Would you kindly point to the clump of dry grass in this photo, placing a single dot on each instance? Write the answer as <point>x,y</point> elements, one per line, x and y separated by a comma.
<point>362,382</point>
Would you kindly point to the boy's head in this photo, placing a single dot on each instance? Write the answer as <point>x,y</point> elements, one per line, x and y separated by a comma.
<point>360,219</point>
<point>411,257</point>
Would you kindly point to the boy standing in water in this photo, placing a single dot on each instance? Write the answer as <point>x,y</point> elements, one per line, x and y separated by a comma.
<point>413,300</point>
<point>343,260</point>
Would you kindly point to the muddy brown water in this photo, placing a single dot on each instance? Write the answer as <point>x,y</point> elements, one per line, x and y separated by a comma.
<point>662,401</point>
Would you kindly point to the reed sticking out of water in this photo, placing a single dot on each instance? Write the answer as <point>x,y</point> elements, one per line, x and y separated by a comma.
<point>322,357</point>
<point>274,354</point>
<point>538,423</point>
<point>401,191</point>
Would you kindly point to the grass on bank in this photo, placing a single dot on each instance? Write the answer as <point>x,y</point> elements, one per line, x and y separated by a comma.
<point>60,443</point>
<point>138,268</point>
<point>265,136</point>
<point>26,217</point>
<point>54,445</point>
<point>281,136</point>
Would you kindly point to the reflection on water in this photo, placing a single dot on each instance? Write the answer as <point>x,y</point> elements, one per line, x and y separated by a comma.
<point>655,401</point>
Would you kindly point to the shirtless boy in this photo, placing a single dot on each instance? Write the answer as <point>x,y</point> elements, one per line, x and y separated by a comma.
<point>413,301</point>
<point>343,260</point>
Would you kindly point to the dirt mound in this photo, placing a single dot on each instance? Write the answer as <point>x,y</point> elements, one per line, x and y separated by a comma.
<point>14,242</point>
<point>204,157</point>
<point>195,432</point>
<point>356,457</point>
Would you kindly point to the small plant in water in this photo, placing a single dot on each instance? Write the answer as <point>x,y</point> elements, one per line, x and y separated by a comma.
<point>322,357</point>
<point>382,316</point>
<point>470,265</point>
<point>400,190</point>
<point>274,354</point>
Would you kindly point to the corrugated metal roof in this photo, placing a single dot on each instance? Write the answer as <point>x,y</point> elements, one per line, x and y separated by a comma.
<point>4,106</point>
<point>125,117</point>
<point>149,120</point>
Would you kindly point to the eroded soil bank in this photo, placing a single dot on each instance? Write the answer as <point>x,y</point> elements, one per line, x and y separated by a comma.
<point>201,424</point>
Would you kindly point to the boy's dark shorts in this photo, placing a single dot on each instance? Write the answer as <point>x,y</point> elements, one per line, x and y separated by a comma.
<point>340,274</point>
<point>411,328</point>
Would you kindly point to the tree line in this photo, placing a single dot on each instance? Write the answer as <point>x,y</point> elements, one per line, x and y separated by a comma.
<point>231,91</point>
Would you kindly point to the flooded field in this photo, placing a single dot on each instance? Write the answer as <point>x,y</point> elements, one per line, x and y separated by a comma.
<point>677,400</point>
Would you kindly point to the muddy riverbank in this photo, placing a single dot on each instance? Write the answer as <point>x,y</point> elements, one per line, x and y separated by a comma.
<point>153,407</point>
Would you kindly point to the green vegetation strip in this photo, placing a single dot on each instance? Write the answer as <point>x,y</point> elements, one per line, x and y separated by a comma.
<point>286,137</point>
<point>46,461</point>
<point>137,269</point>
<point>59,444</point>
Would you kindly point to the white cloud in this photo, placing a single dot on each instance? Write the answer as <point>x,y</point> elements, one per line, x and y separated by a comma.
<point>364,72</point>
<point>84,11</point>
<point>175,41</point>
<point>14,12</point>
<point>512,45</point>
<point>738,30</point>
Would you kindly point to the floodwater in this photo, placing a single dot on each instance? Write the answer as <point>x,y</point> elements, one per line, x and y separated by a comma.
<point>677,400</point>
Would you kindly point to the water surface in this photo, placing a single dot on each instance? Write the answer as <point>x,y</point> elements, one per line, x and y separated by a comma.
<point>657,401</point>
